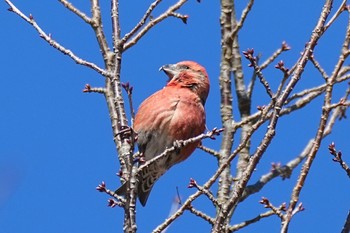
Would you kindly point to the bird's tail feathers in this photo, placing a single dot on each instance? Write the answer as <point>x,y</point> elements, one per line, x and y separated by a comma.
<point>148,176</point>
<point>144,188</point>
<point>121,191</point>
<point>146,179</point>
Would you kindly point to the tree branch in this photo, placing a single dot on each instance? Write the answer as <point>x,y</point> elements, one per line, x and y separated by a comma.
<point>76,11</point>
<point>55,44</point>
<point>246,223</point>
<point>151,24</point>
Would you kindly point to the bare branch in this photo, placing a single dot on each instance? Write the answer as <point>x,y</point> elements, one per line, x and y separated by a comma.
<point>249,54</point>
<point>177,214</point>
<point>340,10</point>
<point>206,192</point>
<point>201,214</point>
<point>251,221</point>
<point>277,210</point>
<point>226,112</point>
<point>179,144</point>
<point>209,151</point>
<point>96,24</point>
<point>76,11</point>
<point>153,22</point>
<point>338,158</point>
<point>89,89</point>
<point>55,44</point>
<point>244,15</point>
<point>141,22</point>
<point>129,90</point>
<point>102,188</point>
<point>318,67</point>
<point>116,26</point>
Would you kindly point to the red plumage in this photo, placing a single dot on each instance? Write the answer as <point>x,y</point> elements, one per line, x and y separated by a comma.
<point>174,113</point>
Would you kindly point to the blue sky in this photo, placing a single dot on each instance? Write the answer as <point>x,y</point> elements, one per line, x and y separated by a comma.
<point>56,142</point>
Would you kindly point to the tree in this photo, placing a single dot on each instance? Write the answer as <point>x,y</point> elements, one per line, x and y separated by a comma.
<point>248,134</point>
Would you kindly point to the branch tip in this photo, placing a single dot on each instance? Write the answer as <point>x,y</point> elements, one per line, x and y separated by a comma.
<point>280,66</point>
<point>248,54</point>
<point>112,203</point>
<point>192,184</point>
<point>101,187</point>
<point>87,88</point>
<point>261,108</point>
<point>128,88</point>
<point>265,202</point>
<point>180,16</point>
<point>285,46</point>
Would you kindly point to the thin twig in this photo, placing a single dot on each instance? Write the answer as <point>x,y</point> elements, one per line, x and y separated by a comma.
<point>129,91</point>
<point>244,16</point>
<point>179,144</point>
<point>102,188</point>
<point>177,214</point>
<point>341,8</point>
<point>246,223</point>
<point>249,54</point>
<point>200,214</point>
<point>251,84</point>
<point>277,210</point>
<point>89,89</point>
<point>209,150</point>
<point>318,66</point>
<point>338,158</point>
<point>206,192</point>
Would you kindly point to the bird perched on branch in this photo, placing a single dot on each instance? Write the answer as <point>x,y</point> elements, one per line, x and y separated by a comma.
<point>174,113</point>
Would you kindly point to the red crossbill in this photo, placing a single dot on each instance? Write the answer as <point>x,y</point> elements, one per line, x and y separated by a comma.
<point>174,113</point>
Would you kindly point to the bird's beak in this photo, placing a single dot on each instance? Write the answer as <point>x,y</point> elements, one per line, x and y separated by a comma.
<point>170,70</point>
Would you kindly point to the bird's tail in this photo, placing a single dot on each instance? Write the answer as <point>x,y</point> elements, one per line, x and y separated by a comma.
<point>121,191</point>
<point>142,192</point>
<point>146,178</point>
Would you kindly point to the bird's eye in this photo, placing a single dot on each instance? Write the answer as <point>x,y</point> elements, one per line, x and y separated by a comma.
<point>185,67</point>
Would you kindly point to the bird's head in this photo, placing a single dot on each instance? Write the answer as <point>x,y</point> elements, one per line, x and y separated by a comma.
<point>188,74</point>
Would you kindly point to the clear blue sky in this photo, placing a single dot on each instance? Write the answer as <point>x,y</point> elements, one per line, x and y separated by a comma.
<point>56,142</point>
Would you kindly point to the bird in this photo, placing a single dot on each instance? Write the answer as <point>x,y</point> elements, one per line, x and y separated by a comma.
<point>173,113</point>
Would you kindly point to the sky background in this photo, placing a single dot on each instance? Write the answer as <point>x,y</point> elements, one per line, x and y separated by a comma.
<point>56,142</point>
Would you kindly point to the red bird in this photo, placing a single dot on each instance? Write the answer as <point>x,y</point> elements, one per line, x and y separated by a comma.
<point>174,113</point>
